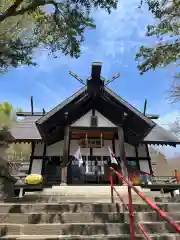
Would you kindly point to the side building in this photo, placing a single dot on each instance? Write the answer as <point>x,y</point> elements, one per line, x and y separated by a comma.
<point>93,118</point>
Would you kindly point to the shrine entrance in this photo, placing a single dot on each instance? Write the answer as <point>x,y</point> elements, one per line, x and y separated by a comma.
<point>95,154</point>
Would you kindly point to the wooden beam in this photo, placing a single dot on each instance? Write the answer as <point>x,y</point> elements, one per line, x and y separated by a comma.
<point>43,160</point>
<point>153,116</point>
<point>113,78</point>
<point>145,106</point>
<point>65,153</point>
<point>77,77</point>
<point>26,114</point>
<point>44,112</point>
<point>149,159</point>
<point>137,157</point>
<point>66,145</point>
<point>32,106</point>
<point>33,144</point>
<point>94,129</point>
<point>122,152</point>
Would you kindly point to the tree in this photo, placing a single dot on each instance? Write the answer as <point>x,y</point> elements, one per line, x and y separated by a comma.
<point>63,29</point>
<point>167,30</point>
<point>167,50</point>
<point>7,119</point>
<point>6,108</point>
<point>175,89</point>
<point>175,127</point>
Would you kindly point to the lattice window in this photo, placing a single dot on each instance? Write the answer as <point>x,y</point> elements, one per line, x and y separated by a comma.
<point>94,167</point>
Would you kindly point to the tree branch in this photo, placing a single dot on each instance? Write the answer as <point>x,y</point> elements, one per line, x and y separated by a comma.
<point>34,5</point>
<point>11,10</point>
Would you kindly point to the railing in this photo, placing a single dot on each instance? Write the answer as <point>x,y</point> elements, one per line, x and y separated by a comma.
<point>152,205</point>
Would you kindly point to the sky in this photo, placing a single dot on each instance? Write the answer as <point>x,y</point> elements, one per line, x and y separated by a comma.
<point>115,42</point>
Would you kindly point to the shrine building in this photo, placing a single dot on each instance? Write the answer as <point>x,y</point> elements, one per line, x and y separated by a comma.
<point>93,118</point>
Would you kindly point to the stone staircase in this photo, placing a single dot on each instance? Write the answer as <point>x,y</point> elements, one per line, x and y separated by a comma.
<point>52,215</point>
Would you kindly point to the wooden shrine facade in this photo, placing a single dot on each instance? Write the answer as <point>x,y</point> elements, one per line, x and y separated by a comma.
<point>95,118</point>
<point>47,160</point>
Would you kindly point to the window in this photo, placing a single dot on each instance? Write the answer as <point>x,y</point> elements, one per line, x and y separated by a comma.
<point>93,166</point>
<point>132,165</point>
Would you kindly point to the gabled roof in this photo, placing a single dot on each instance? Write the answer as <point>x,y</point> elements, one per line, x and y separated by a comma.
<point>61,105</point>
<point>50,127</point>
<point>82,91</point>
<point>95,95</point>
<point>129,106</point>
<point>159,135</point>
<point>25,130</point>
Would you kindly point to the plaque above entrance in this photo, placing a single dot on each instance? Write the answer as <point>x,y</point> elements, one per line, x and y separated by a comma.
<point>91,143</point>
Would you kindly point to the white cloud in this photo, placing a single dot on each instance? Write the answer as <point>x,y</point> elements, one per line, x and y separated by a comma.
<point>115,36</point>
<point>166,120</point>
<point>123,29</point>
<point>47,63</point>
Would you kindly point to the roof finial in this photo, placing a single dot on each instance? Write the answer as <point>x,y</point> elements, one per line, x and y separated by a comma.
<point>32,106</point>
<point>113,78</point>
<point>145,106</point>
<point>76,77</point>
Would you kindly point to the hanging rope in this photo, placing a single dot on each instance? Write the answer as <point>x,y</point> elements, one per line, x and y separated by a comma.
<point>101,141</point>
<point>86,140</point>
<point>102,162</point>
<point>87,165</point>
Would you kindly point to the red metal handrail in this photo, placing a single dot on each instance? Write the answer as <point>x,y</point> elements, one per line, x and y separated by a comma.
<point>152,205</point>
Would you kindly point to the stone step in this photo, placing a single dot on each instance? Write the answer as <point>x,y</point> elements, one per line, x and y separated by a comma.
<point>167,199</point>
<point>82,228</point>
<point>83,194</point>
<point>86,217</point>
<point>67,199</point>
<point>81,207</point>
<point>88,189</point>
<point>92,237</point>
<point>78,198</point>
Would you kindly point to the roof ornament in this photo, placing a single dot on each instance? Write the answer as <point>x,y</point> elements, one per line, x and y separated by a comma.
<point>106,82</point>
<point>150,116</point>
<point>77,77</point>
<point>113,78</point>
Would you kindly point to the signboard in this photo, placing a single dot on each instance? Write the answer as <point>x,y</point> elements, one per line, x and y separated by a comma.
<point>91,143</point>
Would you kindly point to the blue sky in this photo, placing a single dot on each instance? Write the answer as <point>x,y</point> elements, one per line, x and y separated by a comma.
<point>115,42</point>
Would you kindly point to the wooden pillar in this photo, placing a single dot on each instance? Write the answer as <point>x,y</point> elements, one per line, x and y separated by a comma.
<point>33,144</point>
<point>44,161</point>
<point>149,159</point>
<point>122,152</point>
<point>32,106</point>
<point>65,155</point>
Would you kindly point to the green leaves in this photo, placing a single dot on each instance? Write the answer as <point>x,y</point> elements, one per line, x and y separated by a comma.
<point>159,56</point>
<point>63,30</point>
<point>167,30</point>
<point>8,117</point>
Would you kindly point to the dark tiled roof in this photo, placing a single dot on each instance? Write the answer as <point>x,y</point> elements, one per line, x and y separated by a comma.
<point>61,105</point>
<point>108,90</point>
<point>161,136</point>
<point>129,106</point>
<point>25,130</point>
